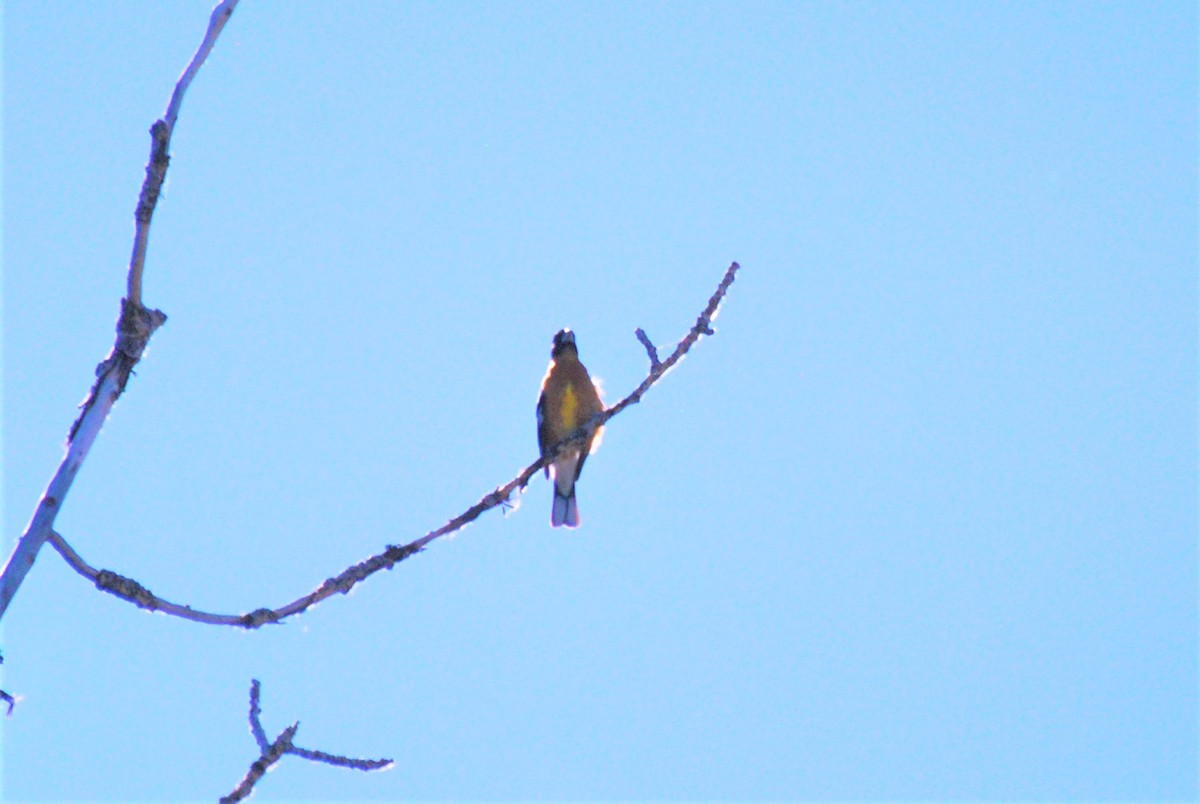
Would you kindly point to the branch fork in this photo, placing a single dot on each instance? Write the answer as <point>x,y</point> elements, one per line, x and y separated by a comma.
<point>272,751</point>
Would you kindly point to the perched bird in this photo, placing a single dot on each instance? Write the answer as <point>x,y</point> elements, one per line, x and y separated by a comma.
<point>568,400</point>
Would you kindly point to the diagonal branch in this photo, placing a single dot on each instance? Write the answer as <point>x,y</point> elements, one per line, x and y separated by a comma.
<point>134,592</point>
<point>160,135</point>
<point>134,327</point>
<point>274,751</point>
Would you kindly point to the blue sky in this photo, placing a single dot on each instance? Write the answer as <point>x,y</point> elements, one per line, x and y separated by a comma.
<point>920,522</point>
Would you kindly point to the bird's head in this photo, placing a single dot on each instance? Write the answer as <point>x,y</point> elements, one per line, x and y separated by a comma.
<point>564,341</point>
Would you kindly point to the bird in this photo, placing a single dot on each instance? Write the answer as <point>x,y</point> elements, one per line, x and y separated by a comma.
<point>568,400</point>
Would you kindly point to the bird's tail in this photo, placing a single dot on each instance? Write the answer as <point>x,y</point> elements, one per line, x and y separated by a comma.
<point>565,511</point>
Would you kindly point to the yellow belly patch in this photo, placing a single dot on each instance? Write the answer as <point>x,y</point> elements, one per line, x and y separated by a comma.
<point>570,408</point>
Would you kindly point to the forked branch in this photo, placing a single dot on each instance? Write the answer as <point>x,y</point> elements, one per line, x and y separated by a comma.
<point>272,752</point>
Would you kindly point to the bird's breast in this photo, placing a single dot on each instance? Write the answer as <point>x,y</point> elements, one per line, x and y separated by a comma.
<point>570,408</point>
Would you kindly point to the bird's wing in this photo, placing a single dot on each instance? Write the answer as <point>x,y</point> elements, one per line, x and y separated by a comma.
<point>543,431</point>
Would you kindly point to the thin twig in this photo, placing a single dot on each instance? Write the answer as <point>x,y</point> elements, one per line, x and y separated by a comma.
<point>342,762</point>
<point>703,326</point>
<point>256,728</point>
<point>272,752</point>
<point>160,140</point>
<point>651,349</point>
<point>134,592</point>
<point>134,327</point>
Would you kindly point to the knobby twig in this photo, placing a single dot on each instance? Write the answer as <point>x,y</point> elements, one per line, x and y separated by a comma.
<point>134,592</point>
<point>651,350</point>
<point>134,327</point>
<point>160,134</point>
<point>272,752</point>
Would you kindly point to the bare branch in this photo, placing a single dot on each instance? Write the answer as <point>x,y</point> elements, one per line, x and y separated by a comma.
<point>256,729</point>
<point>134,327</point>
<point>651,350</point>
<point>261,765</point>
<point>136,593</point>
<point>160,140</point>
<point>703,326</point>
<point>342,762</point>
<point>272,752</point>
<point>216,22</point>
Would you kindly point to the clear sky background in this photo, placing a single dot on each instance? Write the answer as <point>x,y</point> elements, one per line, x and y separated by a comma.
<point>920,522</point>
